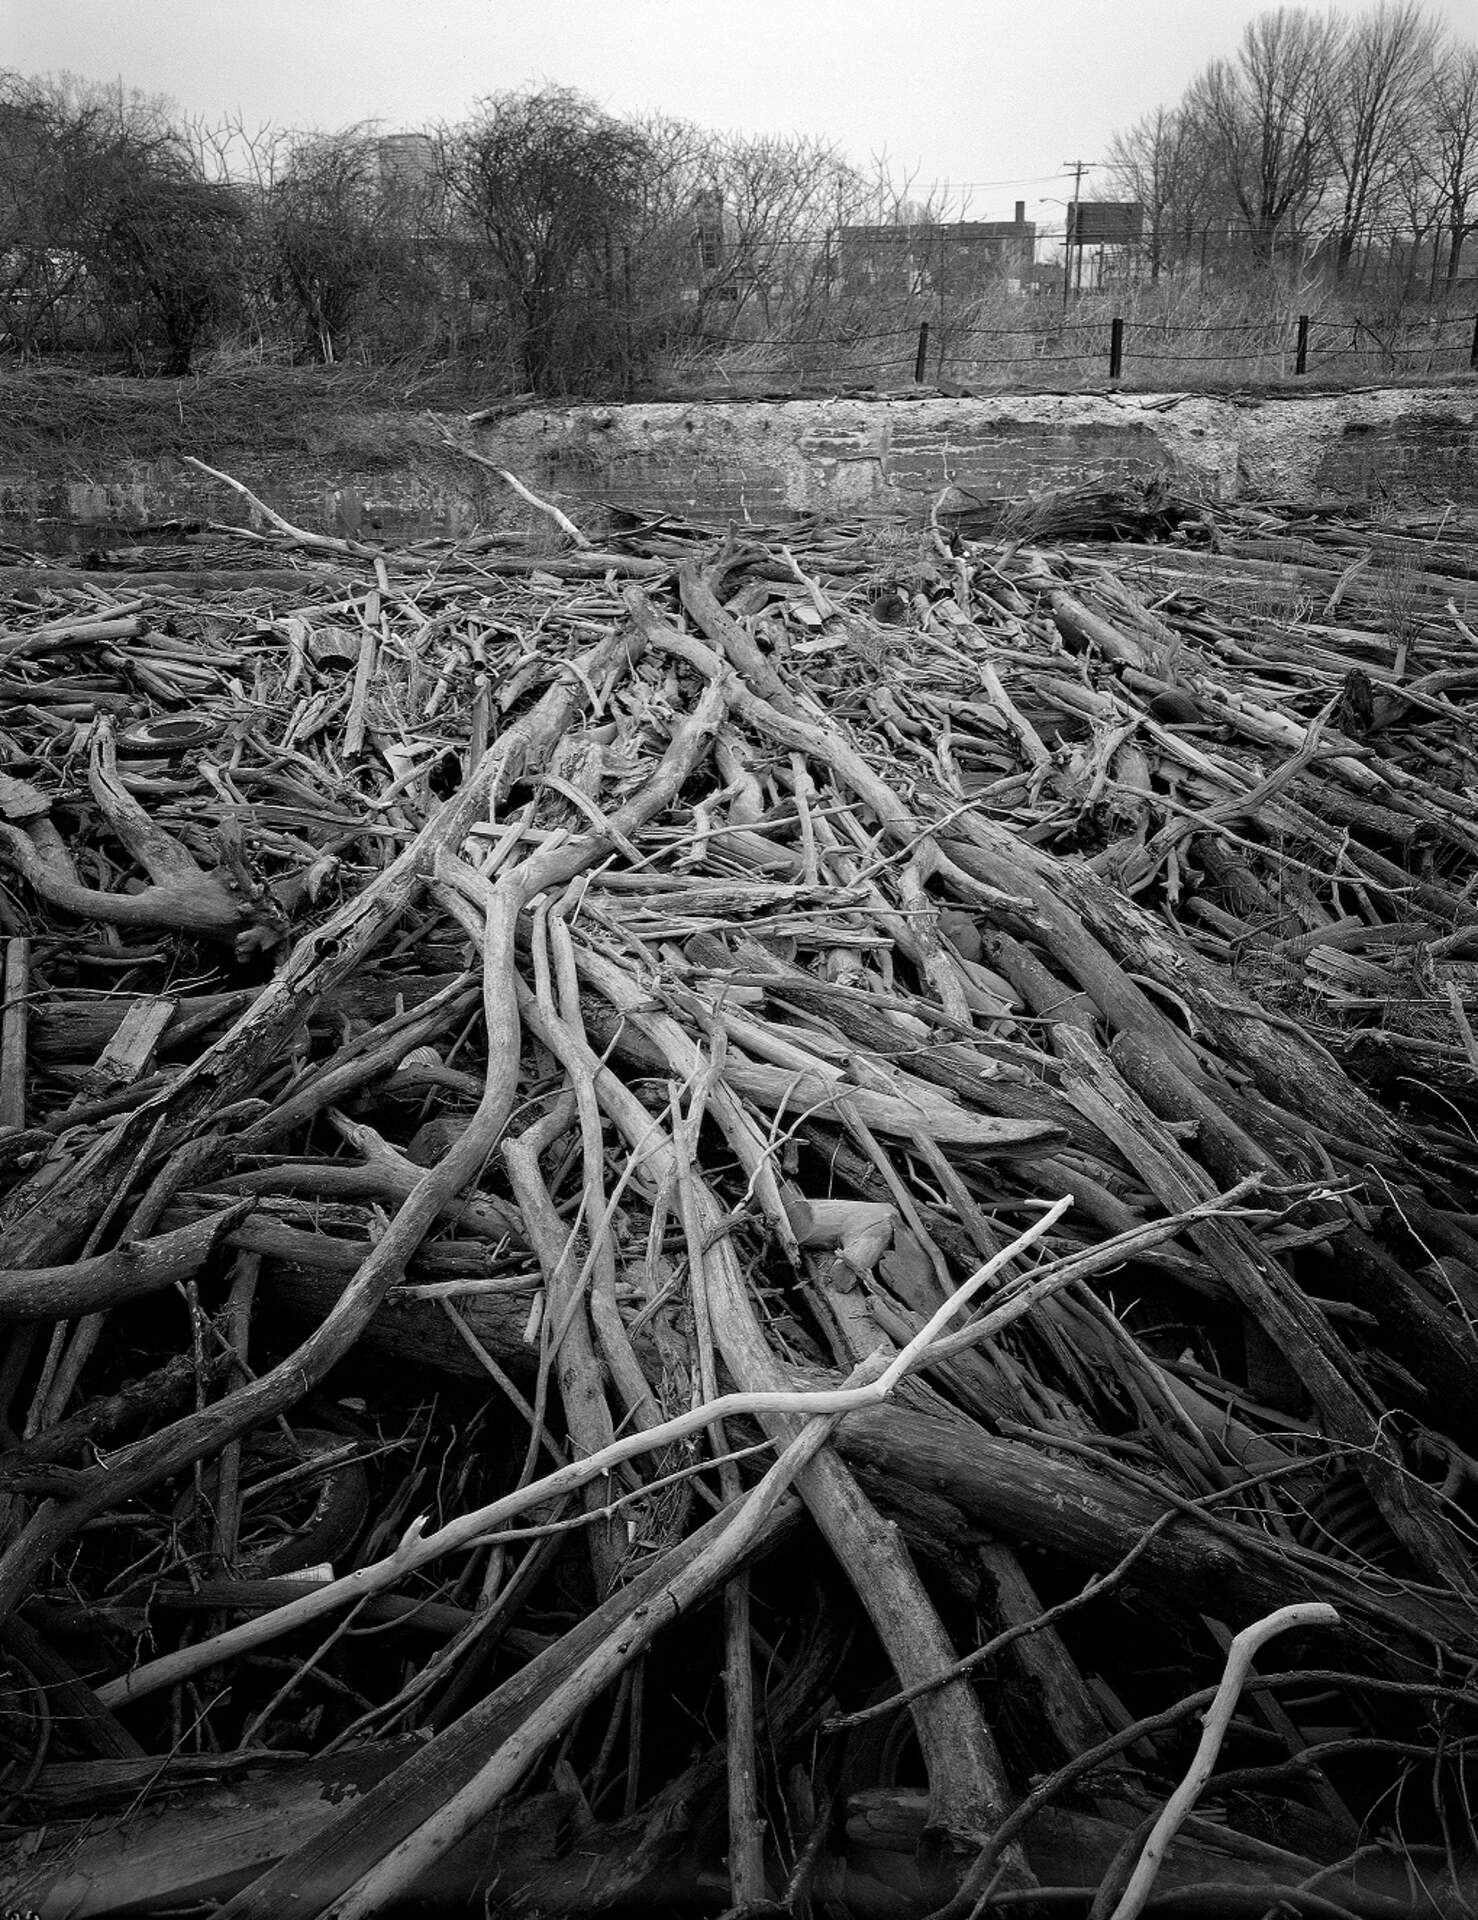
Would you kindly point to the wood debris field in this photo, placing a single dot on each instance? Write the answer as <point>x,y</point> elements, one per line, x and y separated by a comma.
<point>772,1222</point>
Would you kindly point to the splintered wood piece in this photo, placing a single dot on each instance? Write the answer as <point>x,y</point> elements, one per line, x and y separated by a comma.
<point>131,1051</point>
<point>14,1029</point>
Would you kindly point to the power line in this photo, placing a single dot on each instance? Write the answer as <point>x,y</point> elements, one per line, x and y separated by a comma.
<point>1018,180</point>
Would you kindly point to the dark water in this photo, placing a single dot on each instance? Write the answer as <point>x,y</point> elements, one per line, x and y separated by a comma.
<point>168,543</point>
<point>74,540</point>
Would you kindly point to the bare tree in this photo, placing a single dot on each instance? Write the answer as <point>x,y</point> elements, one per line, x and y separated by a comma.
<point>895,251</point>
<point>672,246</point>
<point>163,250</point>
<point>1161,162</point>
<point>1382,66</point>
<point>557,189</point>
<point>105,222</point>
<point>44,151</point>
<point>348,216</point>
<point>1449,151</point>
<point>1418,211</point>
<point>771,204</point>
<point>1264,118</point>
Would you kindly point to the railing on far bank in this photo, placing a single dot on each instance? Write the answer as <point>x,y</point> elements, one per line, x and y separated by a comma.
<point>1106,347</point>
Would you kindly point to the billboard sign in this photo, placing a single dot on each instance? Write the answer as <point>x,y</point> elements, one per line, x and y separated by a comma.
<point>1105,223</point>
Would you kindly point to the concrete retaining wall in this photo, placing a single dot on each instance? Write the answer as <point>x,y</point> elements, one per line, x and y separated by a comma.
<point>842,458</point>
<point>766,461</point>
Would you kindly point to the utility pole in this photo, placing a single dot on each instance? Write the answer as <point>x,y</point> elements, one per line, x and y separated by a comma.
<point>1074,228</point>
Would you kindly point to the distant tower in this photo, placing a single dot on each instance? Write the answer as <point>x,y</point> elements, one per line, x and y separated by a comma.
<point>708,229</point>
<point>407,161</point>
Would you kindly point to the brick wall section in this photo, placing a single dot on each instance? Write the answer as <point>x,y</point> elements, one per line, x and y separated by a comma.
<point>1426,456</point>
<point>965,459</point>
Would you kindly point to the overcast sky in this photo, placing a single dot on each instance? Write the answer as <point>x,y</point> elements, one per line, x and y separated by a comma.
<point>989,96</point>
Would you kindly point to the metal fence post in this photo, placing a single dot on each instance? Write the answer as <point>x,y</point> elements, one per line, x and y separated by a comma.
<point>1301,351</point>
<point>1116,347</point>
<point>922,355</point>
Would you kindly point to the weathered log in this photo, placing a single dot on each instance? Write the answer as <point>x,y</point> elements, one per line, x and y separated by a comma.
<point>65,1027</point>
<point>1038,1500</point>
<point>128,1272</point>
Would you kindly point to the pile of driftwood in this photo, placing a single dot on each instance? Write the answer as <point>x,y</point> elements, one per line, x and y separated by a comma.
<point>723,1223</point>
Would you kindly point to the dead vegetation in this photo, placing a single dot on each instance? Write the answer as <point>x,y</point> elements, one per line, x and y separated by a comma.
<point>688,1224</point>
<point>66,421</point>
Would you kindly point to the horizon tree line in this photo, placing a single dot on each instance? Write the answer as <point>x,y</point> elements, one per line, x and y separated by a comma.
<point>569,243</point>
<point>567,249</point>
<point>1346,145</point>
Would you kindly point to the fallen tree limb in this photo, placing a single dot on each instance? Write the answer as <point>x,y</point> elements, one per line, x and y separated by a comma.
<point>128,1272</point>
<point>1244,1651</point>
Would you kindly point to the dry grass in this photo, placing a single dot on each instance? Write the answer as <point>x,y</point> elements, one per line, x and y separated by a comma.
<point>1176,337</point>
<point>63,420</point>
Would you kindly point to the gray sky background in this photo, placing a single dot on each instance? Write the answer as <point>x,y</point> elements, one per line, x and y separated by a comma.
<point>989,96</point>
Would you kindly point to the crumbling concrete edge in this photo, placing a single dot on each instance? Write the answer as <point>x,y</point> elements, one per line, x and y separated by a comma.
<point>766,462</point>
<point>840,458</point>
